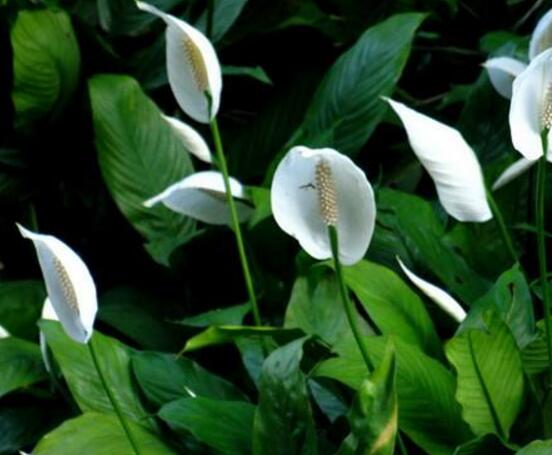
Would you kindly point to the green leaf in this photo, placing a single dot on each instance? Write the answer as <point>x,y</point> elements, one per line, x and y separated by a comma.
<point>510,299</point>
<point>232,315</point>
<point>484,445</point>
<point>164,378</point>
<point>223,425</point>
<point>347,105</point>
<point>315,306</point>
<point>20,307</point>
<point>535,354</point>
<point>46,63</point>
<point>537,448</point>
<point>20,364</point>
<point>228,334</point>
<point>254,72</point>
<point>392,305</point>
<point>225,14</point>
<point>93,433</point>
<point>139,155</point>
<point>490,377</point>
<point>429,413</point>
<point>82,378</point>
<point>374,414</point>
<point>283,422</point>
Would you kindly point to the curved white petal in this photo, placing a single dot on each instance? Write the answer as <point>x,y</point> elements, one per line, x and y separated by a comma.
<point>446,302</point>
<point>541,39</point>
<point>4,333</point>
<point>296,205</point>
<point>70,286</point>
<point>450,161</point>
<point>512,172</point>
<point>530,96</point>
<point>48,313</point>
<point>502,72</point>
<point>192,66</point>
<point>191,139</point>
<point>202,196</point>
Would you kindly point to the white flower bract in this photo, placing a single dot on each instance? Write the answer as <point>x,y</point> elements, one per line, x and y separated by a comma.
<point>70,286</point>
<point>191,139</point>
<point>202,196</point>
<point>541,39</point>
<point>313,188</point>
<point>193,67</point>
<point>445,301</point>
<point>502,72</point>
<point>451,163</point>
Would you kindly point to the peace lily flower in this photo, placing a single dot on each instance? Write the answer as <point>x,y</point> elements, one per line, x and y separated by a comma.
<point>450,161</point>
<point>202,196</point>
<point>445,301</point>
<point>190,138</point>
<point>70,286</point>
<point>316,188</point>
<point>3,333</point>
<point>503,70</point>
<point>192,66</point>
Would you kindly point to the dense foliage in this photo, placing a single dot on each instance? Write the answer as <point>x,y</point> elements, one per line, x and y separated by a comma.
<point>83,84</point>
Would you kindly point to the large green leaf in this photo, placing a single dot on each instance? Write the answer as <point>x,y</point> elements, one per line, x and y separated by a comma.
<point>82,377</point>
<point>46,63</point>
<point>20,306</point>
<point>392,305</point>
<point>484,445</point>
<point>429,413</point>
<point>94,433</point>
<point>537,448</point>
<point>164,378</point>
<point>347,105</point>
<point>139,156</point>
<point>20,365</point>
<point>374,414</point>
<point>490,377</point>
<point>315,306</point>
<point>283,422</point>
<point>223,425</point>
<point>225,14</point>
<point>510,299</point>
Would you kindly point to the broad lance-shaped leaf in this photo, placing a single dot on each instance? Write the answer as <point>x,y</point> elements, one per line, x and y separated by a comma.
<point>537,448</point>
<point>283,421</point>
<point>502,72</point>
<point>444,300</point>
<point>140,155</point>
<point>490,377</point>
<point>450,161</point>
<point>192,66</point>
<point>374,414</point>
<point>531,108</point>
<point>345,108</point>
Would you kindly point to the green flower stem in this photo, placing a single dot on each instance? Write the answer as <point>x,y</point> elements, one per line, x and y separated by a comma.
<point>221,161</point>
<point>349,309</point>
<point>210,17</point>
<point>112,399</point>
<point>504,231</point>
<point>541,241</point>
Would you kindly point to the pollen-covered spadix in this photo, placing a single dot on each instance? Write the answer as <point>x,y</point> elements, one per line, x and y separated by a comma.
<point>450,161</point>
<point>192,66</point>
<point>202,196</point>
<point>445,301</point>
<point>315,188</point>
<point>70,286</point>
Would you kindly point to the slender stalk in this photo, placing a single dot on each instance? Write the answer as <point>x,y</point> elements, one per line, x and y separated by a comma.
<point>210,18</point>
<point>112,399</point>
<point>221,162</point>
<point>541,243</point>
<point>349,310</point>
<point>504,231</point>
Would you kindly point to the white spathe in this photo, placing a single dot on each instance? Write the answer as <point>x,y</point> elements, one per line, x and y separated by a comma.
<point>512,172</point>
<point>193,67</point>
<point>444,300</point>
<point>48,314</point>
<point>4,333</point>
<point>190,139</point>
<point>531,103</point>
<point>541,39</point>
<point>502,72</point>
<point>69,284</point>
<point>451,163</point>
<point>296,205</point>
<point>202,196</point>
